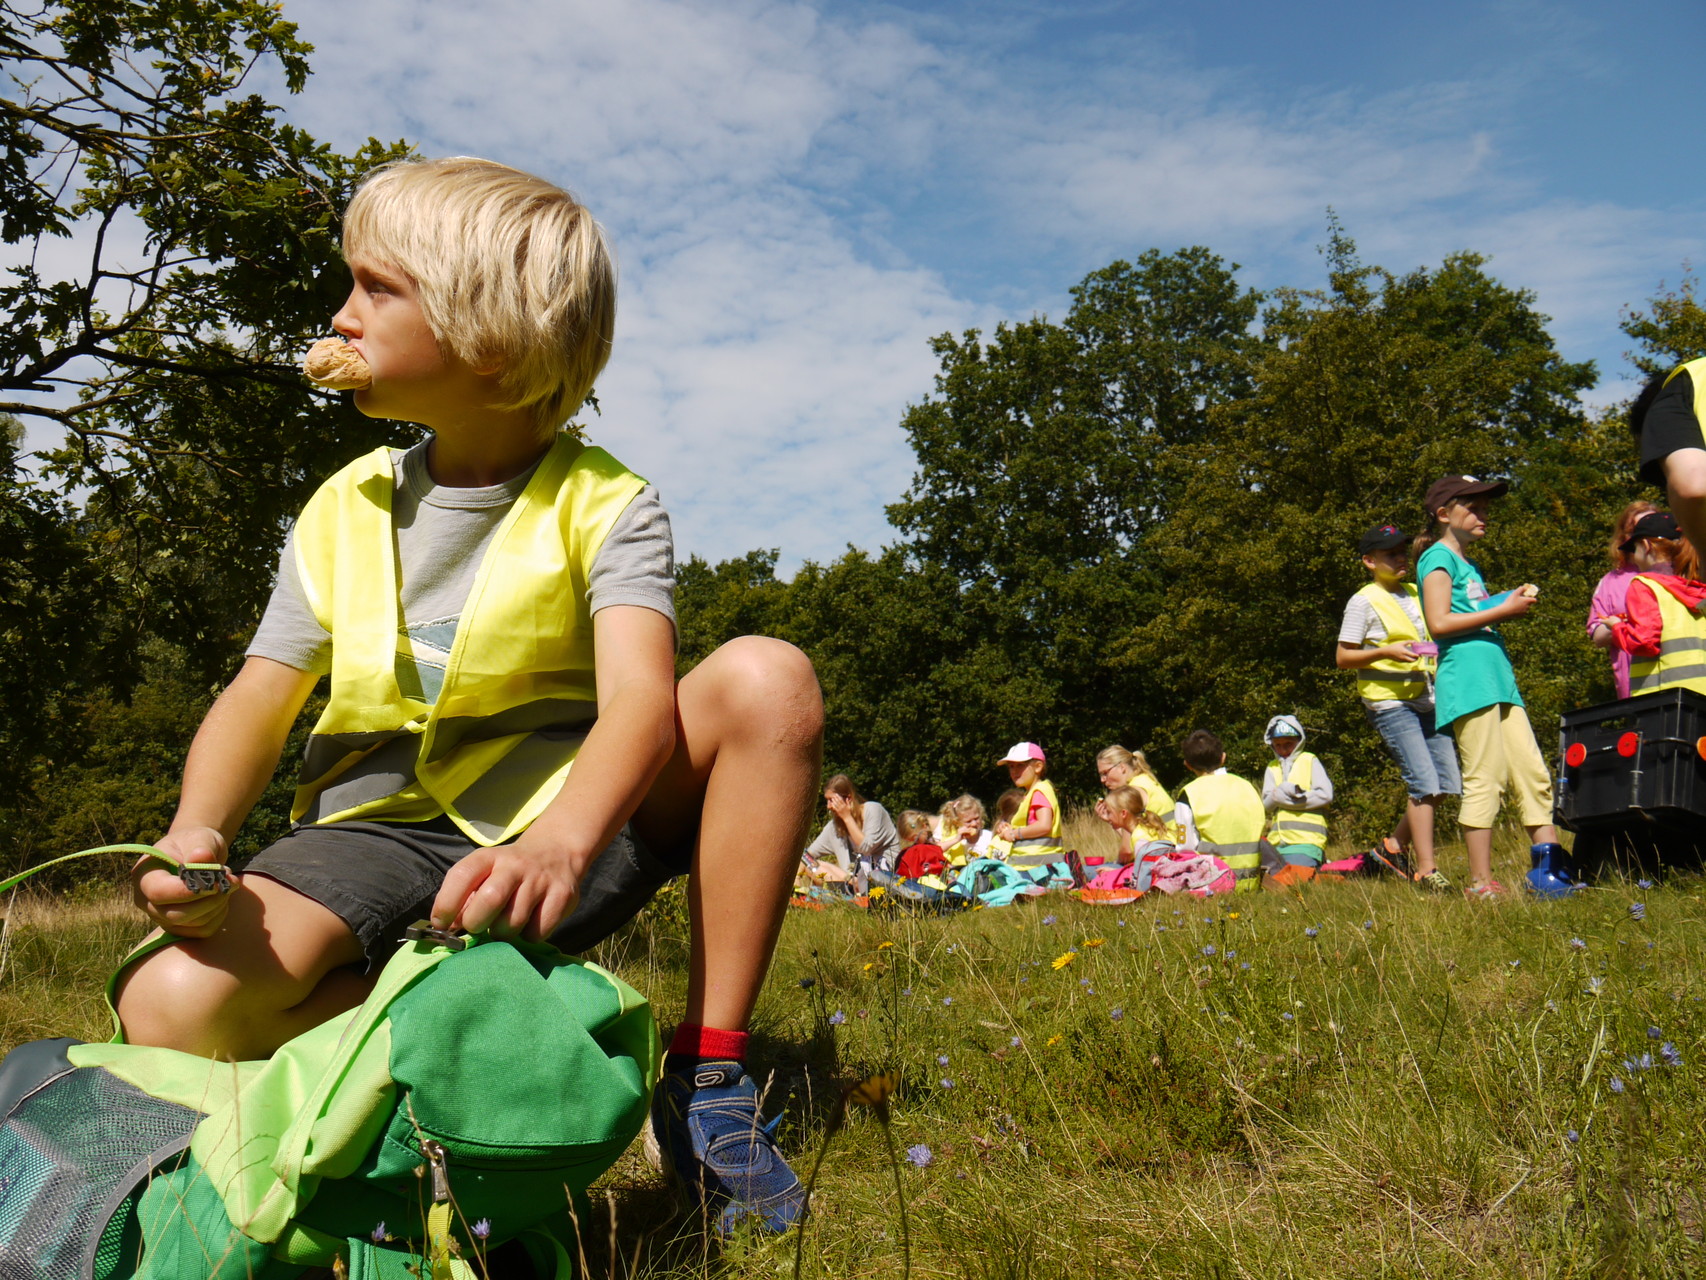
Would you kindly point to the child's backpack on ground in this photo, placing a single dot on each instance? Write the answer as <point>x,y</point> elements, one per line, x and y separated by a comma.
<point>475,1091</point>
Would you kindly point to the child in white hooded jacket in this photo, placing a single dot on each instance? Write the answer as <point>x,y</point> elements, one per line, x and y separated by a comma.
<point>1296,792</point>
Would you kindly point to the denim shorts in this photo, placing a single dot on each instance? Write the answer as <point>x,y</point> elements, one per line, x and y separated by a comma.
<point>381,877</point>
<point>1426,757</point>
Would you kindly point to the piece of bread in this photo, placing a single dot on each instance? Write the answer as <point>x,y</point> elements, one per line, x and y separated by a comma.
<point>1531,591</point>
<point>334,364</point>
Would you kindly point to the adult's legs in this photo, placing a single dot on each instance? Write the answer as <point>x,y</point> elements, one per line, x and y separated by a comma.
<point>281,965</point>
<point>749,745</point>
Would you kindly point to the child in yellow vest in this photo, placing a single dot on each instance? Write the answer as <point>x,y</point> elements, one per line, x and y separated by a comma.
<point>505,747</point>
<point>1034,832</point>
<point>1296,791</point>
<point>1385,639</point>
<point>1220,813</point>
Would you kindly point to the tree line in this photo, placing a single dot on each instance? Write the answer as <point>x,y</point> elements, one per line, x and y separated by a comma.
<point>1123,524</point>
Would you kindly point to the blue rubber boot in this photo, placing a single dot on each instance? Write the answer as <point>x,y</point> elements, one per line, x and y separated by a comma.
<point>1551,875</point>
<point>706,1123</point>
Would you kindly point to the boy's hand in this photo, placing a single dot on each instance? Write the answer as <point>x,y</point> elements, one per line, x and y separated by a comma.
<point>1398,652</point>
<point>167,900</point>
<point>511,890</point>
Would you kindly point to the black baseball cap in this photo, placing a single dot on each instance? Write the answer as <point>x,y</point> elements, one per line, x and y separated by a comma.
<point>1381,538</point>
<point>1655,524</point>
<point>1451,488</point>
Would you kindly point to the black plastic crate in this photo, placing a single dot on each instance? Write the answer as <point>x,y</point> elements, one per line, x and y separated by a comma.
<point>1638,760</point>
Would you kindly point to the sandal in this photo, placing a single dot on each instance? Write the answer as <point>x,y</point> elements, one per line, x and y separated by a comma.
<point>1486,891</point>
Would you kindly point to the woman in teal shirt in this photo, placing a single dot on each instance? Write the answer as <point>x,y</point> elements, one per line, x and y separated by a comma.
<point>1475,689</point>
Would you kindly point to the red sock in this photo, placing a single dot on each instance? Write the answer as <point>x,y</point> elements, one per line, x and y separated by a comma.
<point>693,1043</point>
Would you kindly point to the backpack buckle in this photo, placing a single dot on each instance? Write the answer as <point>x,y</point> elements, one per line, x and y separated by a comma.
<point>423,931</point>
<point>205,877</point>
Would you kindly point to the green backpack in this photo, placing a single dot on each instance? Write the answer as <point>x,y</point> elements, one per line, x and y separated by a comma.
<point>469,1102</point>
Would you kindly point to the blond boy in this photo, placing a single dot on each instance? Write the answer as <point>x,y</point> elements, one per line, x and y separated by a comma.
<point>491,606</point>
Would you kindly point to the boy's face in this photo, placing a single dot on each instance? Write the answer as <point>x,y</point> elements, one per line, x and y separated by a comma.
<point>414,379</point>
<point>1389,565</point>
<point>1283,747</point>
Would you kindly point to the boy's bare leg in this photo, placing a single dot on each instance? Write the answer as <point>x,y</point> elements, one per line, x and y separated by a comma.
<point>749,737</point>
<point>749,747</point>
<point>277,969</point>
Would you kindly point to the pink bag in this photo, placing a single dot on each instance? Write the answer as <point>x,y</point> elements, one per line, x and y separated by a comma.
<point>1113,877</point>
<point>1198,874</point>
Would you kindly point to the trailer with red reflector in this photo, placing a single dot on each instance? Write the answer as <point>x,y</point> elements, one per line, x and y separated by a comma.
<point>1632,780</point>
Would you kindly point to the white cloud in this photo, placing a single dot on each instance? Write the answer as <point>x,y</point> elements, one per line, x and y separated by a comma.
<point>800,196</point>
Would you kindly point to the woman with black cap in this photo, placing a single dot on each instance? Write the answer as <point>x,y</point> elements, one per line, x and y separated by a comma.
<point>1384,639</point>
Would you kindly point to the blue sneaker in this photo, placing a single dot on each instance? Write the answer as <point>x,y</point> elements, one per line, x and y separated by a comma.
<point>708,1131</point>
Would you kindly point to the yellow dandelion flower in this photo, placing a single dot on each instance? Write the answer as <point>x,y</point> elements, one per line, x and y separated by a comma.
<point>1060,962</point>
<point>884,946</point>
<point>1092,942</point>
<point>1231,915</point>
<point>870,966</point>
<point>1054,1040</point>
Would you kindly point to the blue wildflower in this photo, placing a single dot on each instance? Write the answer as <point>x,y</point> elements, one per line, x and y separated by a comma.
<point>1014,1043</point>
<point>906,991</point>
<point>806,984</point>
<point>1208,950</point>
<point>1244,964</point>
<point>1671,1054</point>
<point>1616,1085</point>
<point>1643,884</point>
<point>1653,1033</point>
<point>482,1228</point>
<point>379,1235</point>
<point>1311,932</point>
<point>1116,1013</point>
<point>919,1156</point>
<point>1515,963</point>
<point>941,1059</point>
<point>947,1084</point>
<point>947,1000</point>
<point>1050,919</point>
<point>1638,910</point>
<point>1594,985</point>
<point>837,1018</point>
<point>1368,924</point>
<point>1121,923</point>
<point>1572,1137</point>
<point>1287,1017</point>
<point>1231,955</point>
<point>1576,944</point>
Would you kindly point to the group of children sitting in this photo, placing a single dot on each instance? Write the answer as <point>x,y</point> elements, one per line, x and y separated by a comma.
<point>1219,835</point>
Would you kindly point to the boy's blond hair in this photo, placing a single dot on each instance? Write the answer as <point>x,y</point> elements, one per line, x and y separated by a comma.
<point>511,271</point>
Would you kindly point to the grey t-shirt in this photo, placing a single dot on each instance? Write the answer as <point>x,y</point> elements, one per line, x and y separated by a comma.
<point>1362,627</point>
<point>442,535</point>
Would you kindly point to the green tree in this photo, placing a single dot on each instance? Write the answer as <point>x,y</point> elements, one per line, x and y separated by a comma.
<point>1365,394</point>
<point>1671,330</point>
<point>206,230</point>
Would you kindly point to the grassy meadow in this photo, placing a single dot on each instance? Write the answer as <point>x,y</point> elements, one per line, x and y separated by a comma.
<point>1352,1081</point>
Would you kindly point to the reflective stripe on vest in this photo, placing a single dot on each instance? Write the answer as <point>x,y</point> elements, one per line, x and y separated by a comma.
<point>1389,680</point>
<point>1229,816</point>
<point>519,691</point>
<point>1038,849</point>
<point>1298,826</point>
<point>1681,663</point>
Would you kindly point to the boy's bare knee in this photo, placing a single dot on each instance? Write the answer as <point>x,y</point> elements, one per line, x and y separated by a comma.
<point>771,682</point>
<point>170,1000</point>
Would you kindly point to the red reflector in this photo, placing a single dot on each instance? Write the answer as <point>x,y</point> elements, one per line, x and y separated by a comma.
<point>1700,747</point>
<point>1578,752</point>
<point>1629,744</point>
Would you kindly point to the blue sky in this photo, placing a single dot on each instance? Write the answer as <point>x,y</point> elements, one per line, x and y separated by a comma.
<point>801,195</point>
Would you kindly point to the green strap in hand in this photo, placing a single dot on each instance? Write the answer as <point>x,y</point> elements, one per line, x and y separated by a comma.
<point>201,875</point>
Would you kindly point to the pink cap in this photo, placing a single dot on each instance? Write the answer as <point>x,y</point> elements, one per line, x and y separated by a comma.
<point>1022,753</point>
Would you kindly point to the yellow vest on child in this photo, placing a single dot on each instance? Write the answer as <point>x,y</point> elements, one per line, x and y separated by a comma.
<point>1389,680</point>
<point>1038,849</point>
<point>1681,663</point>
<point>519,692</point>
<point>1298,826</point>
<point>1228,813</point>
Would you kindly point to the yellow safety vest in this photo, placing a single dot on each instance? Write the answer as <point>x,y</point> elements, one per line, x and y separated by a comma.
<point>1696,370</point>
<point>519,692</point>
<point>1681,663</point>
<point>1298,826</point>
<point>1389,680</point>
<point>1229,818</point>
<point>1038,849</point>
<point>1160,803</point>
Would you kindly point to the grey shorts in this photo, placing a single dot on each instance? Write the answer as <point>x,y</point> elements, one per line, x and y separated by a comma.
<point>380,877</point>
